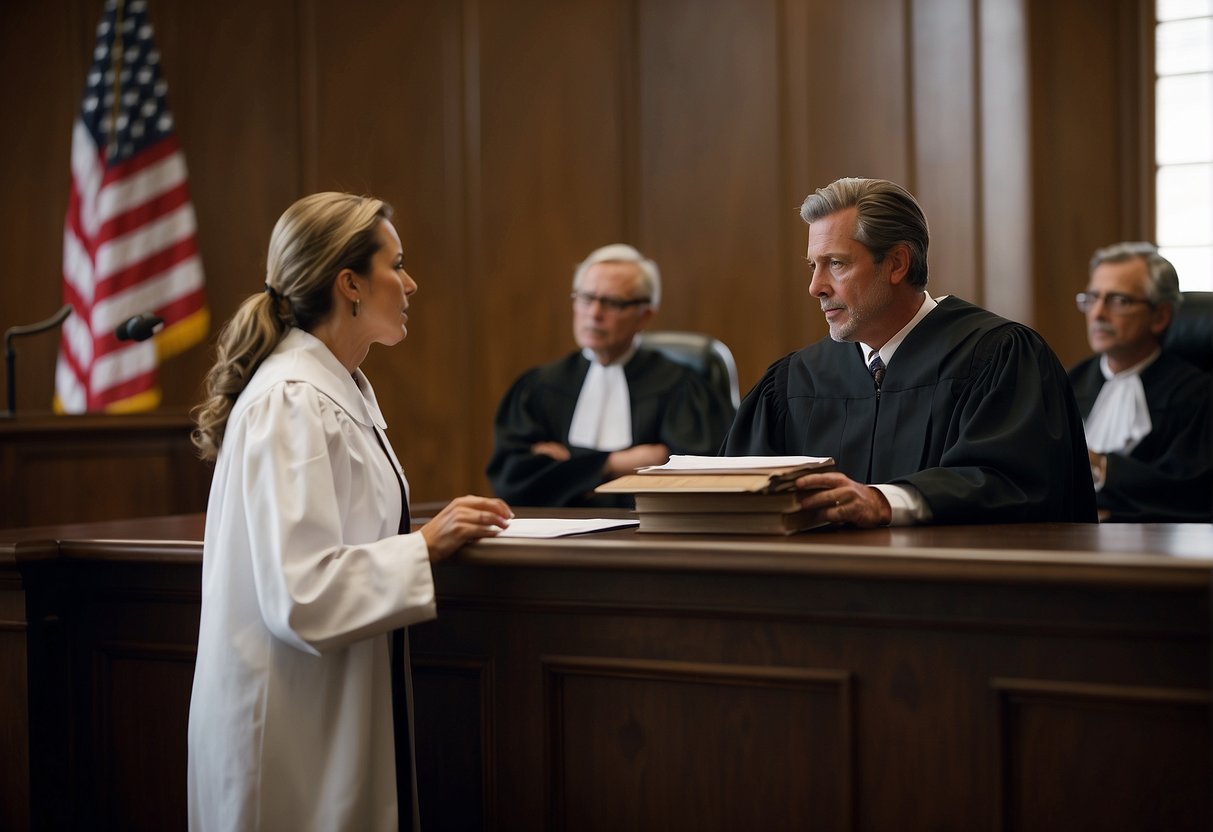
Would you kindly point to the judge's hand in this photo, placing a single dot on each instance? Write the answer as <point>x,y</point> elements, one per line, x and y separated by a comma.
<point>840,499</point>
<point>637,456</point>
<point>463,519</point>
<point>555,450</point>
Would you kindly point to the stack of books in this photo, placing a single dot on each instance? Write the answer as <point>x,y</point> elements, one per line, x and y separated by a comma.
<point>723,495</point>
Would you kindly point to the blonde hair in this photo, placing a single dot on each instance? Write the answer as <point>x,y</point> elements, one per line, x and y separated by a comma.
<point>312,242</point>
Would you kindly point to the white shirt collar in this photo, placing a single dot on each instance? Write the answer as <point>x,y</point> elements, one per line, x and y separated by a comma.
<point>621,361</point>
<point>890,347</point>
<point>1135,370</point>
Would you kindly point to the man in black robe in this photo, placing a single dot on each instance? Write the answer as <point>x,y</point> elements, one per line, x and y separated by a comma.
<point>954,414</point>
<point>566,427</point>
<point>1146,411</point>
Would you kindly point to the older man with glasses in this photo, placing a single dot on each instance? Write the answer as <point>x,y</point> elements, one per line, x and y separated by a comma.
<point>566,427</point>
<point>1146,412</point>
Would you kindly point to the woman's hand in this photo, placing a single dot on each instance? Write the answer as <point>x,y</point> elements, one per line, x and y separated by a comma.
<point>463,519</point>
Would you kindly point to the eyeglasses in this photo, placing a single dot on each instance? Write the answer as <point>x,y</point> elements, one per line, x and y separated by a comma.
<point>1114,302</point>
<point>611,304</point>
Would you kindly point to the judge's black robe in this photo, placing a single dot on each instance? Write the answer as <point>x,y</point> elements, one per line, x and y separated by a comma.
<point>670,404</point>
<point>975,412</point>
<point>1167,478</point>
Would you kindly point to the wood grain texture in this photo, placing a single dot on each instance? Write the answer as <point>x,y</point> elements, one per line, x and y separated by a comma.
<point>514,139</point>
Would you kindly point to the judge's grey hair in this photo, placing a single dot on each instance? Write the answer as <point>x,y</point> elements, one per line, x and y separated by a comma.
<point>1163,285</point>
<point>887,215</point>
<point>650,275</point>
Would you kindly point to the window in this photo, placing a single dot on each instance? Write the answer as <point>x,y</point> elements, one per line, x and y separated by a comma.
<point>1183,146</point>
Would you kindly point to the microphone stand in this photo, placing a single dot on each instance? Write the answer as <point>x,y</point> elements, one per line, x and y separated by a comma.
<point>10,355</point>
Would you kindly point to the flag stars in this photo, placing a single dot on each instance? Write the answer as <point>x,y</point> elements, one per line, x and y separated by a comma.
<point>125,107</point>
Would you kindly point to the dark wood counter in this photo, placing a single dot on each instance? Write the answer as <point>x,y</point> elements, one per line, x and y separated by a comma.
<point>966,678</point>
<point>56,469</point>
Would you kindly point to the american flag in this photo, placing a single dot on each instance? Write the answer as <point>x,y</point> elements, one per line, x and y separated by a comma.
<point>129,242</point>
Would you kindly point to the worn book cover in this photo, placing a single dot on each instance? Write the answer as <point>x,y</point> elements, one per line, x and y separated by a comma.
<point>708,475</point>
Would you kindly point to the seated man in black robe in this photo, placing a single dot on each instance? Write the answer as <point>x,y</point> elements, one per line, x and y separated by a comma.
<point>568,426</point>
<point>1146,412</point>
<point>955,414</point>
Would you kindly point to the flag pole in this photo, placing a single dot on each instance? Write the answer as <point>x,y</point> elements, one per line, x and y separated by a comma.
<point>111,135</point>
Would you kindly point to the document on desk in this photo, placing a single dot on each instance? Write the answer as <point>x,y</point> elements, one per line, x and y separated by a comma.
<point>561,526</point>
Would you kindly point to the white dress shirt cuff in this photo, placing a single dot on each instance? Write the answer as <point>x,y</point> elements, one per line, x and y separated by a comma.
<point>907,503</point>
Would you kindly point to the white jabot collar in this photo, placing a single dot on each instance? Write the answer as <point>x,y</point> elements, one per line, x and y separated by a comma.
<point>602,419</point>
<point>1120,417</point>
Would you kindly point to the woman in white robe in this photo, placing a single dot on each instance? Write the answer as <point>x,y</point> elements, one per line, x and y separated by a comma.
<point>305,570</point>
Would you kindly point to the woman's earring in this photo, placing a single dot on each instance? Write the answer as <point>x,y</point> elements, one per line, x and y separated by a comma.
<point>356,302</point>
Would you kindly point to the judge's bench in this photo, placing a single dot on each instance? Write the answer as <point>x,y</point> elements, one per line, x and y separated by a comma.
<point>938,678</point>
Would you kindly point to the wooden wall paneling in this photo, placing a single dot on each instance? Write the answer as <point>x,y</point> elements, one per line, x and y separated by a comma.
<point>233,75</point>
<point>512,140</point>
<point>459,778</point>
<point>1152,744</point>
<point>1004,159</point>
<point>947,180</point>
<point>134,641</point>
<point>845,111</point>
<point>387,122</point>
<point>44,50</point>
<point>1080,196</point>
<point>14,702</point>
<point>555,111</point>
<point>786,763</point>
<point>799,315</point>
<point>139,734</point>
<point>230,73</point>
<point>711,182</point>
<point>859,105</point>
<point>53,765</point>
<point>59,469</point>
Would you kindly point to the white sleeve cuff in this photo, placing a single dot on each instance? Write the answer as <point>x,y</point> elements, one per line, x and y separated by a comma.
<point>907,503</point>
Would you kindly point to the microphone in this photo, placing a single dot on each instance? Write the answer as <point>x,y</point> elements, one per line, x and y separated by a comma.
<point>139,328</point>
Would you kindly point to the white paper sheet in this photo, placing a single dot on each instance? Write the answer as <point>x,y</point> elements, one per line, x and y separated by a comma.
<point>686,462</point>
<point>561,527</point>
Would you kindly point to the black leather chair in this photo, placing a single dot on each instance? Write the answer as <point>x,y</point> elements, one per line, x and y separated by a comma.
<point>701,352</point>
<point>1190,335</point>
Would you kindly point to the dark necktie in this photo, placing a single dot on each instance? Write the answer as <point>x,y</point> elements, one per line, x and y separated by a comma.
<point>400,692</point>
<point>876,368</point>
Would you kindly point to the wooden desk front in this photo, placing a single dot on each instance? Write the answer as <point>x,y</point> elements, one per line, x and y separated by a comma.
<point>1020,677</point>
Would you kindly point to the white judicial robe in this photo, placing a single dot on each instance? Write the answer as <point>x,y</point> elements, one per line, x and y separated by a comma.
<point>303,578</point>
